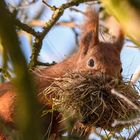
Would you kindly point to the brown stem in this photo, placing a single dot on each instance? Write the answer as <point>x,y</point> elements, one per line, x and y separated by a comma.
<point>26,28</point>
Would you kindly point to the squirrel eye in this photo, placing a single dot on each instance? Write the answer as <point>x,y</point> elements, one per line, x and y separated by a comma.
<point>121,70</point>
<point>90,62</point>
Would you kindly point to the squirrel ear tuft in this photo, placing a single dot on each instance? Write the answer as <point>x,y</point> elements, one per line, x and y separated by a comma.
<point>116,31</point>
<point>90,29</point>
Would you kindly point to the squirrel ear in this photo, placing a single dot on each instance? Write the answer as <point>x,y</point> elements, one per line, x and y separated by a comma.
<point>116,31</point>
<point>119,41</point>
<point>85,42</point>
<point>90,30</point>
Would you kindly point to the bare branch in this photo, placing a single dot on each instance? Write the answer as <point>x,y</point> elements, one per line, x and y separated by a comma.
<point>77,10</point>
<point>26,28</point>
<point>58,12</point>
<point>53,8</point>
<point>35,52</point>
<point>75,33</point>
<point>45,64</point>
<point>63,23</point>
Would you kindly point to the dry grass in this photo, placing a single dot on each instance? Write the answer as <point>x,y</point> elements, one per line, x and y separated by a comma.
<point>91,101</point>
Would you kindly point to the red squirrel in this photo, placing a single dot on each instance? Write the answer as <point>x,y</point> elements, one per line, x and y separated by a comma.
<point>93,55</point>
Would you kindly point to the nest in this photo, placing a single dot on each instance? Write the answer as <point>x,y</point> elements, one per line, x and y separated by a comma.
<point>95,100</point>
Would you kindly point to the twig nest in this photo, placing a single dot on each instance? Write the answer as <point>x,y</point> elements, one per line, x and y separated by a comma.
<point>91,100</point>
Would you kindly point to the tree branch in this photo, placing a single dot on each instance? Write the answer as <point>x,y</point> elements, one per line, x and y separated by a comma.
<point>45,64</point>
<point>58,12</point>
<point>26,28</point>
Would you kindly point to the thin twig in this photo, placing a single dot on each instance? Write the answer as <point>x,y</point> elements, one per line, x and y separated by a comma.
<point>135,134</point>
<point>58,13</point>
<point>26,28</point>
<point>132,46</point>
<point>136,75</point>
<point>77,10</point>
<point>70,24</point>
<point>62,23</point>
<point>53,8</point>
<point>45,64</point>
<point>113,91</point>
<point>133,121</point>
<point>75,33</point>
